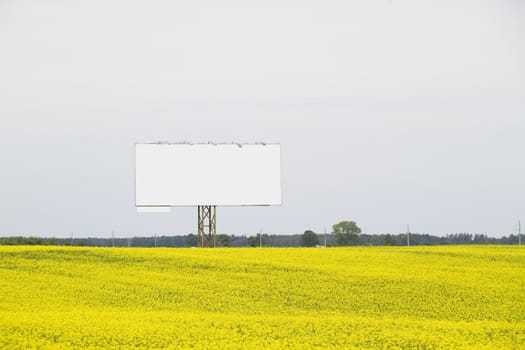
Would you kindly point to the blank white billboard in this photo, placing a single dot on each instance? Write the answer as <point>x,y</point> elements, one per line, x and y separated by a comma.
<point>207,174</point>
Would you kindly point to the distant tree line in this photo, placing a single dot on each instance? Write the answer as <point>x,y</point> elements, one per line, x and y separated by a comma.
<point>308,239</point>
<point>344,233</point>
<point>28,241</point>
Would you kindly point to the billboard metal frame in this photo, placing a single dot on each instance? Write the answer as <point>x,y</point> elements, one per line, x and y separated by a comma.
<point>207,224</point>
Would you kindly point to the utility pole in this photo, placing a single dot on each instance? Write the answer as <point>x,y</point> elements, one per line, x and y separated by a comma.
<point>519,232</point>
<point>408,235</point>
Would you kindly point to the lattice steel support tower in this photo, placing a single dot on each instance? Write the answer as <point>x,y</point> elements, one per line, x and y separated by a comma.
<point>207,226</point>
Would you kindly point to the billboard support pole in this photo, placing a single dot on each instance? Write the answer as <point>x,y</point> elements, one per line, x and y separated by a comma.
<point>207,225</point>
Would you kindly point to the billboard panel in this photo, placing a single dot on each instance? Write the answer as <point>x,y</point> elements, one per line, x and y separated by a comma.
<point>207,174</point>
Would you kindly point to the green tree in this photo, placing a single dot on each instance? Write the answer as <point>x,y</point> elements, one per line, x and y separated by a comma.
<point>346,233</point>
<point>255,241</point>
<point>222,240</point>
<point>191,240</point>
<point>309,239</point>
<point>389,240</point>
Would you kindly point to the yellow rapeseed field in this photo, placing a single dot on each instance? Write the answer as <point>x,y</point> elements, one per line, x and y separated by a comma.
<point>457,297</point>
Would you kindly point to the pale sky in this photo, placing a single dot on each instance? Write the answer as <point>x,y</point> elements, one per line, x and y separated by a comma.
<point>388,112</point>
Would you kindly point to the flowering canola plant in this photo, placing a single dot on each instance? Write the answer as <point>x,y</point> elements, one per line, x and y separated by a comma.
<point>447,297</point>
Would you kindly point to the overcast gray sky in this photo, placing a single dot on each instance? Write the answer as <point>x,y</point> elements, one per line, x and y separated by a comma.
<point>388,111</point>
